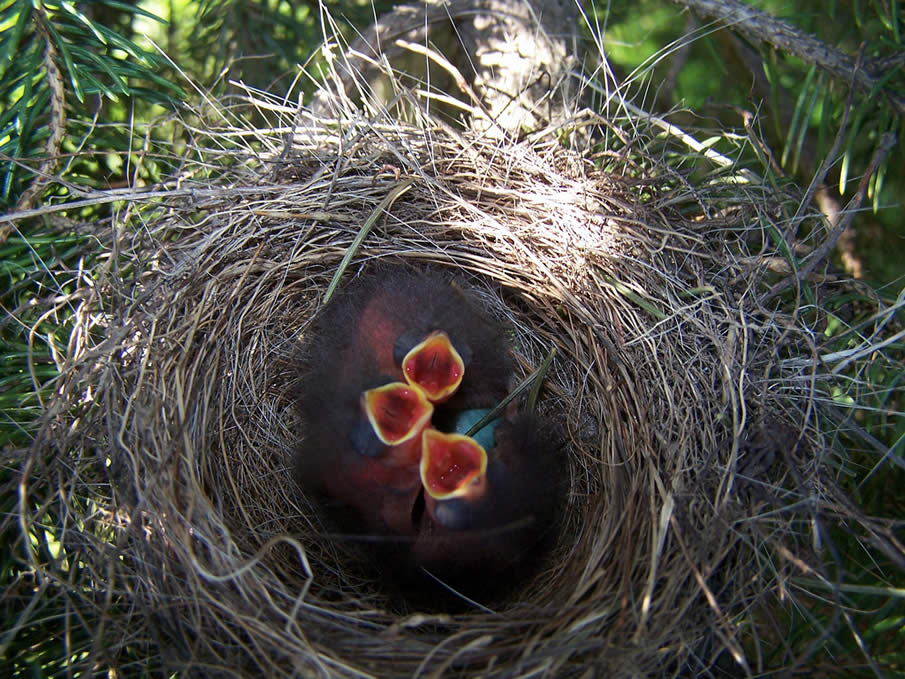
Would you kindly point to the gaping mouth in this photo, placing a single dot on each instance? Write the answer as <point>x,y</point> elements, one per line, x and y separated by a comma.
<point>398,412</point>
<point>435,366</point>
<point>452,465</point>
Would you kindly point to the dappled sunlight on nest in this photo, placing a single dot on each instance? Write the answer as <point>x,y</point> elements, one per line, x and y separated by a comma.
<point>684,434</point>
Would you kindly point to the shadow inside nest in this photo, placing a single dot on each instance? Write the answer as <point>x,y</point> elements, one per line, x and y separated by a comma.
<point>450,497</point>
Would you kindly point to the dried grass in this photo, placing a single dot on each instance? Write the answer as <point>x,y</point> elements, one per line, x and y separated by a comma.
<point>696,458</point>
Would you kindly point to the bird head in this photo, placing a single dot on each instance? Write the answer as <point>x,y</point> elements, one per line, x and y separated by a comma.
<point>454,475</point>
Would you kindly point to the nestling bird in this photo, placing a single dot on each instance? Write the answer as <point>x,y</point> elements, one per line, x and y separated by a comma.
<point>391,325</point>
<point>396,368</point>
<point>421,327</point>
<point>432,364</point>
<point>454,475</point>
<point>480,533</point>
<point>362,448</point>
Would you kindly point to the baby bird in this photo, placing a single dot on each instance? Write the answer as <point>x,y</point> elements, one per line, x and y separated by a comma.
<point>361,450</point>
<point>390,329</point>
<point>486,520</point>
<point>424,329</point>
<point>397,359</point>
<point>433,364</point>
<point>454,475</point>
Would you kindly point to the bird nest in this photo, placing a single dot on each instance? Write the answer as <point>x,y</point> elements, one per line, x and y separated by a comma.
<point>692,452</point>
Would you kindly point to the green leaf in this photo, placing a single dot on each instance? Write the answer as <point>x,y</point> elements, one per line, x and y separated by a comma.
<point>859,18</point>
<point>128,46</point>
<point>23,117</point>
<point>104,65</point>
<point>852,137</point>
<point>92,85</point>
<point>894,18</point>
<point>9,46</point>
<point>74,12</point>
<point>798,118</point>
<point>877,186</point>
<point>772,75</point>
<point>806,117</point>
<point>134,9</point>
<point>133,71</point>
<point>826,118</point>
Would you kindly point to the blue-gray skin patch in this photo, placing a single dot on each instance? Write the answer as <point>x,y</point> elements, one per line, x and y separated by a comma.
<point>461,514</point>
<point>466,419</point>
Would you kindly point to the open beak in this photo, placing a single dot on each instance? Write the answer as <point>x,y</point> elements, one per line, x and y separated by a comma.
<point>435,366</point>
<point>398,412</point>
<point>452,466</point>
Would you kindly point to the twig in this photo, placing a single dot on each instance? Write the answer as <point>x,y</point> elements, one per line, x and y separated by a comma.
<point>56,126</point>
<point>887,142</point>
<point>760,27</point>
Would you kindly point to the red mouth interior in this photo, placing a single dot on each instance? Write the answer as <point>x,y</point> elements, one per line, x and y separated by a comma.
<point>452,462</point>
<point>434,366</point>
<point>397,411</point>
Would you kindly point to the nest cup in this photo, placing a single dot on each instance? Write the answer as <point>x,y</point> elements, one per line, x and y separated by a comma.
<point>213,560</point>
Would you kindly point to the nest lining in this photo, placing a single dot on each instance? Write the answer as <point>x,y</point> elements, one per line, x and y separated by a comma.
<point>665,381</point>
